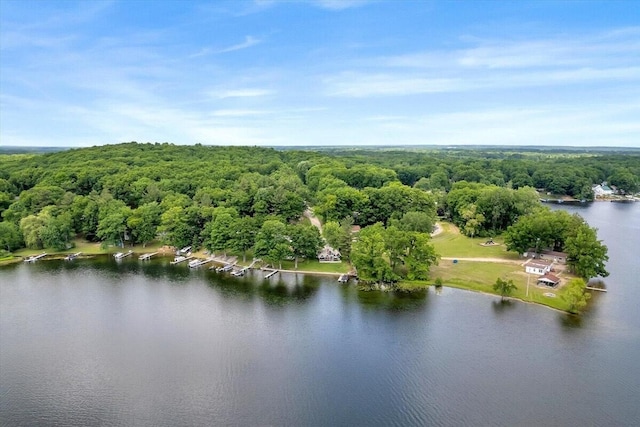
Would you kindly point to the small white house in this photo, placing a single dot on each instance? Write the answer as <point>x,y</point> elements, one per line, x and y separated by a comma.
<point>602,190</point>
<point>538,266</point>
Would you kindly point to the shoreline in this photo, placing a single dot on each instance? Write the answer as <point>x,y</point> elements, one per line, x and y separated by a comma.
<point>399,287</point>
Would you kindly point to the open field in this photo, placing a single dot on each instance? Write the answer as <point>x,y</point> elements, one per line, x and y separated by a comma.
<point>451,243</point>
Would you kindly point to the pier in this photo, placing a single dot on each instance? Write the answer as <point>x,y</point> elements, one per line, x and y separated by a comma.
<point>274,272</point>
<point>71,257</point>
<point>593,288</point>
<point>121,255</point>
<point>239,273</point>
<point>179,259</point>
<point>34,258</point>
<point>254,262</point>
<point>224,268</point>
<point>146,257</point>
<point>198,262</point>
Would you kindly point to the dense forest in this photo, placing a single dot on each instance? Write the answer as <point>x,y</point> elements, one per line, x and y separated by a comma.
<point>251,199</point>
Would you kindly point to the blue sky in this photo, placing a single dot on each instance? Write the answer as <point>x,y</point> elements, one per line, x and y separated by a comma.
<point>320,72</point>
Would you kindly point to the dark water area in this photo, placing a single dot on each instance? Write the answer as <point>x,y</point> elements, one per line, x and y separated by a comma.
<point>100,342</point>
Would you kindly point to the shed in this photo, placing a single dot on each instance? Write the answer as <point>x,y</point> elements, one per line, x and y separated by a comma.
<point>549,280</point>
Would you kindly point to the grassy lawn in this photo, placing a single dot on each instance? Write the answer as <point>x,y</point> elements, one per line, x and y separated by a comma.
<point>480,276</point>
<point>451,243</point>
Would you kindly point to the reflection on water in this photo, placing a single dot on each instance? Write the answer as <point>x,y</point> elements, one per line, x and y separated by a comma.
<point>100,342</point>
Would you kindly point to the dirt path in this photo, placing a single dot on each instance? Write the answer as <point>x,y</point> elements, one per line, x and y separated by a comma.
<point>314,219</point>
<point>438,229</point>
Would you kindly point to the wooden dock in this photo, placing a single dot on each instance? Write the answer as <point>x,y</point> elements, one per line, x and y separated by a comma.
<point>239,273</point>
<point>146,257</point>
<point>121,255</point>
<point>199,262</point>
<point>179,259</point>
<point>224,268</point>
<point>254,262</point>
<point>274,272</point>
<point>592,288</point>
<point>71,257</point>
<point>34,258</point>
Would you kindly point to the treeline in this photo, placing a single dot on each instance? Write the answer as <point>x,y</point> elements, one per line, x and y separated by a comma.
<point>244,199</point>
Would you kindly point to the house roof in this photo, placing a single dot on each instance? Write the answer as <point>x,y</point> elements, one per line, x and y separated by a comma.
<point>539,263</point>
<point>549,278</point>
<point>554,253</point>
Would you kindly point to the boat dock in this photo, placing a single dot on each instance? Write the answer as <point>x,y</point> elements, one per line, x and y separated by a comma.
<point>254,262</point>
<point>146,257</point>
<point>71,257</point>
<point>198,262</point>
<point>239,273</point>
<point>179,259</point>
<point>121,255</point>
<point>593,288</point>
<point>274,272</point>
<point>224,268</point>
<point>34,258</point>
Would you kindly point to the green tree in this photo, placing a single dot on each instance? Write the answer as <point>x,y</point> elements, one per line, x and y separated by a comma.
<point>222,230</point>
<point>575,296</point>
<point>143,222</point>
<point>244,236</point>
<point>31,228</point>
<point>279,252</point>
<point>504,287</point>
<point>10,237</point>
<point>57,231</point>
<point>368,255</point>
<point>306,241</point>
<point>271,234</point>
<point>420,256</point>
<point>112,225</point>
<point>586,254</point>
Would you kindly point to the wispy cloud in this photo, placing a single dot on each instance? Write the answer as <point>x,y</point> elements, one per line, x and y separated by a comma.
<point>240,93</point>
<point>248,42</point>
<point>495,65</point>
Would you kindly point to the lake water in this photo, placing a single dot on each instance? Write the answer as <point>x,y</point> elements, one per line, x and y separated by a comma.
<point>100,342</point>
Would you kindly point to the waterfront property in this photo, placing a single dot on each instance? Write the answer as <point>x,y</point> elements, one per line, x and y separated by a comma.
<point>538,266</point>
<point>548,255</point>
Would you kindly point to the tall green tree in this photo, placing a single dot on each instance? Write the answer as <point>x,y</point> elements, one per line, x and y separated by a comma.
<point>143,222</point>
<point>306,241</point>
<point>10,237</point>
<point>368,255</point>
<point>576,296</point>
<point>271,234</point>
<point>586,254</point>
<point>112,225</point>
<point>244,236</point>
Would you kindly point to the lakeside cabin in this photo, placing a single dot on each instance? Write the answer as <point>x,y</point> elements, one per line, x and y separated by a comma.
<point>328,254</point>
<point>547,255</point>
<point>538,266</point>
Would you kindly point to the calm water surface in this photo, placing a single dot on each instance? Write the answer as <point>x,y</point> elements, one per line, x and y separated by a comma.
<point>105,343</point>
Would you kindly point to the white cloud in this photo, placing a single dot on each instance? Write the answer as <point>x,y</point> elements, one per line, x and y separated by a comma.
<point>240,93</point>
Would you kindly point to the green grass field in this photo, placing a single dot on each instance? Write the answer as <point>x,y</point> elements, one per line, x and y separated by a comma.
<point>480,276</point>
<point>451,243</point>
